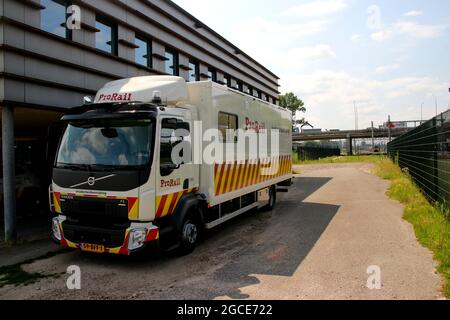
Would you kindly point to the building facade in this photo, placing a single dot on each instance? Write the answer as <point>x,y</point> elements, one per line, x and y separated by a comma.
<point>55,52</point>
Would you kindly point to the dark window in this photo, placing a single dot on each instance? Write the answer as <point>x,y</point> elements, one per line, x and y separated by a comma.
<point>143,54</point>
<point>274,101</point>
<point>212,74</point>
<point>173,132</point>
<point>228,122</point>
<point>239,86</point>
<point>106,38</point>
<point>54,18</point>
<point>171,65</point>
<point>267,98</point>
<point>250,90</point>
<point>194,71</point>
<point>259,94</point>
<point>227,81</point>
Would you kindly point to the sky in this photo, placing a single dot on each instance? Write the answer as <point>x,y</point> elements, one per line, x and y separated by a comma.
<point>388,57</point>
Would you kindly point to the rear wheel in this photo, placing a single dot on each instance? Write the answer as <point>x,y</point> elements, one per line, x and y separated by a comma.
<point>272,199</point>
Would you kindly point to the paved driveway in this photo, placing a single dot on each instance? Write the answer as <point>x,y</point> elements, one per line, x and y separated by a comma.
<point>325,233</point>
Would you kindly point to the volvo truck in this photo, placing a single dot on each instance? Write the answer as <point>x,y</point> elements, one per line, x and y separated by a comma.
<point>156,161</point>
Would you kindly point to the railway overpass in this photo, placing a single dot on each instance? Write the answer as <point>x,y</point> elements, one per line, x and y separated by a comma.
<point>349,135</point>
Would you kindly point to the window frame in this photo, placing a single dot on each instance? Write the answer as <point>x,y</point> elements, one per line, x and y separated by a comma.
<point>223,137</point>
<point>240,86</point>
<point>114,41</point>
<point>68,32</point>
<point>175,59</point>
<point>161,169</point>
<point>213,73</point>
<point>196,70</point>
<point>227,80</point>
<point>149,44</point>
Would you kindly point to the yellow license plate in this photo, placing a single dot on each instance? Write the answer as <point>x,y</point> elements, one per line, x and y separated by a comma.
<point>92,248</point>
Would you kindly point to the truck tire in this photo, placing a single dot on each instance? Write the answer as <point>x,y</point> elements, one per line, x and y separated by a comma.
<point>272,199</point>
<point>190,232</point>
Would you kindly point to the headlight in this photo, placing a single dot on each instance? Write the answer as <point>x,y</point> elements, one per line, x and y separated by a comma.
<point>55,229</point>
<point>137,238</point>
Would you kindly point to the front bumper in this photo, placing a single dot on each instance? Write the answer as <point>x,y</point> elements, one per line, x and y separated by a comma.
<point>103,240</point>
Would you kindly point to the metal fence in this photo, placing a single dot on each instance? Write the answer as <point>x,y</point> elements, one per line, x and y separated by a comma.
<point>315,153</point>
<point>425,152</point>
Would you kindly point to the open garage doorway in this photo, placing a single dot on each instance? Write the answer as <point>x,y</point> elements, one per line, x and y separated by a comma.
<point>33,143</point>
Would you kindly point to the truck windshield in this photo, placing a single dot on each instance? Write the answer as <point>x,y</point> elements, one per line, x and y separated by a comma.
<point>106,144</point>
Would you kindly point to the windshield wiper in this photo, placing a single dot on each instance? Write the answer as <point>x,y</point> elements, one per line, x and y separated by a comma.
<point>84,167</point>
<point>112,167</point>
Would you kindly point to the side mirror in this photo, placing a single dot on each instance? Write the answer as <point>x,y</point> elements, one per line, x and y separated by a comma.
<point>183,126</point>
<point>168,168</point>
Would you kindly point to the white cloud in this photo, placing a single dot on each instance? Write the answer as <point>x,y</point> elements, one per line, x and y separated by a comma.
<point>250,34</point>
<point>413,13</point>
<point>317,8</point>
<point>419,30</point>
<point>259,30</point>
<point>382,35</point>
<point>411,29</point>
<point>356,38</point>
<point>384,69</point>
<point>318,52</point>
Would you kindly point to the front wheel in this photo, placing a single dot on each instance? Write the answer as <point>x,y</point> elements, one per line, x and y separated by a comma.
<point>190,234</point>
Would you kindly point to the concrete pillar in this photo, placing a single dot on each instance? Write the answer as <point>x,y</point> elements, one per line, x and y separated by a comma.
<point>349,145</point>
<point>9,175</point>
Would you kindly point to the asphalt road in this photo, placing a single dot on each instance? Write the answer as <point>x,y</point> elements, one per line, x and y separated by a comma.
<point>335,222</point>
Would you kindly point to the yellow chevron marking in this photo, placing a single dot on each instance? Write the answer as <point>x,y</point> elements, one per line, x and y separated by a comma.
<point>134,212</point>
<point>217,177</point>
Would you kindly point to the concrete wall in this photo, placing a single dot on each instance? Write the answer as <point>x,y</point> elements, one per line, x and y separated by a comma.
<point>38,68</point>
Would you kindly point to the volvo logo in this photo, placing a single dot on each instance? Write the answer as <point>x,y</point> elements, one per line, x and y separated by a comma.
<point>91,181</point>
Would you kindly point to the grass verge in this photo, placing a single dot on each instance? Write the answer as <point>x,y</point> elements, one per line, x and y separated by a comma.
<point>431,222</point>
<point>339,159</point>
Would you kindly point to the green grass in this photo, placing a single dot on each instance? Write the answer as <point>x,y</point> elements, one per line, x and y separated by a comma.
<point>431,222</point>
<point>338,159</point>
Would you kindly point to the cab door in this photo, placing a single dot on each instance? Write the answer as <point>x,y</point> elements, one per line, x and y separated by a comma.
<point>176,172</point>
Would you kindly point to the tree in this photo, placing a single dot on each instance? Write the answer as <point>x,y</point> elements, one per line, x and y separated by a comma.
<point>293,103</point>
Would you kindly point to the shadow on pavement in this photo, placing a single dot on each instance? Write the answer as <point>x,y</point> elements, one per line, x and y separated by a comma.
<point>290,234</point>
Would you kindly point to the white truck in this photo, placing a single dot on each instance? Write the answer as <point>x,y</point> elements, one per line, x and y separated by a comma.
<point>118,188</point>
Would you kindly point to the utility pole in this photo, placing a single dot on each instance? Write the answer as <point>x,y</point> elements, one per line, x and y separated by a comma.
<point>356,124</point>
<point>389,128</point>
<point>436,104</point>
<point>421,113</point>
<point>373,139</point>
